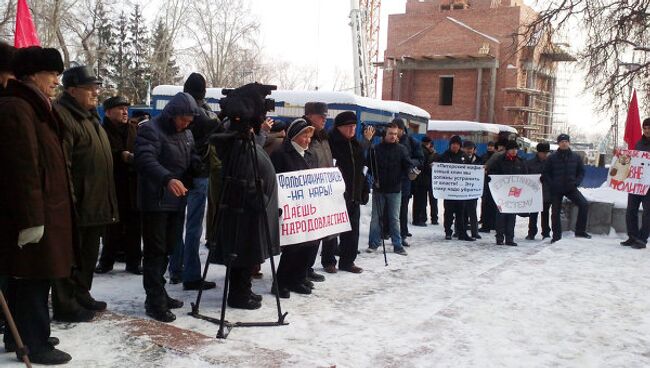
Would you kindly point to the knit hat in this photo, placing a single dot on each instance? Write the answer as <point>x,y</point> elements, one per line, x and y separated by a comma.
<point>7,53</point>
<point>115,101</point>
<point>469,144</point>
<point>195,85</point>
<point>563,137</point>
<point>316,108</point>
<point>456,139</point>
<point>34,59</point>
<point>646,122</point>
<point>511,145</point>
<point>345,118</point>
<point>79,76</point>
<point>543,147</point>
<point>400,123</point>
<point>297,127</point>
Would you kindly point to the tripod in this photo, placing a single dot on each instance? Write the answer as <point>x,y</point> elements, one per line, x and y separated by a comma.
<point>243,152</point>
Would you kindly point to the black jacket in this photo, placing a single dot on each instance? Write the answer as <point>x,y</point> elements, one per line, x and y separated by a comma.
<point>163,154</point>
<point>286,159</point>
<point>504,166</point>
<point>202,127</point>
<point>536,166</point>
<point>564,171</point>
<point>429,157</point>
<point>454,158</point>
<point>415,154</point>
<point>643,144</point>
<point>389,163</point>
<point>349,157</point>
<point>122,138</point>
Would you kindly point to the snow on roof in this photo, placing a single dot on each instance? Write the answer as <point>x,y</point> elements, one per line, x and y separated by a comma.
<point>461,125</point>
<point>506,128</point>
<point>300,98</point>
<point>473,30</point>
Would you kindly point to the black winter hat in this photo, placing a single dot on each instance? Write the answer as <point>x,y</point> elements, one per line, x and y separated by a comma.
<point>316,108</point>
<point>400,123</point>
<point>345,118</point>
<point>79,76</point>
<point>298,126</point>
<point>543,147</point>
<point>195,85</point>
<point>501,143</point>
<point>455,139</point>
<point>34,59</point>
<point>646,122</point>
<point>115,101</point>
<point>7,53</point>
<point>490,144</point>
<point>563,137</point>
<point>469,144</point>
<point>426,139</point>
<point>511,145</point>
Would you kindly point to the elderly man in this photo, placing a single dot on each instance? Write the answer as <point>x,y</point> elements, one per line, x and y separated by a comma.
<point>90,164</point>
<point>637,238</point>
<point>126,234</point>
<point>36,225</point>
<point>166,161</point>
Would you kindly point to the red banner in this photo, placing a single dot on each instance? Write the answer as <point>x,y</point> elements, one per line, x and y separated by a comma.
<point>632,123</point>
<point>25,35</point>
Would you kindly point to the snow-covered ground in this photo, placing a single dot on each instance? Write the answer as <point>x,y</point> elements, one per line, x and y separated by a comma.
<point>576,303</point>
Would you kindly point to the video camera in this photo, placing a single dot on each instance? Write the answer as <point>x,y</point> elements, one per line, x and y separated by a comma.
<point>246,106</point>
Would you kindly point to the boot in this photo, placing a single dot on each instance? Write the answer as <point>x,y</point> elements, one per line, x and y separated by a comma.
<point>316,277</point>
<point>628,242</point>
<point>243,303</point>
<point>284,292</point>
<point>161,315</point>
<point>300,289</point>
<point>352,268</point>
<point>49,357</point>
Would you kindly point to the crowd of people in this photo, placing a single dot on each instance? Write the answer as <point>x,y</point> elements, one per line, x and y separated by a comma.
<point>136,188</point>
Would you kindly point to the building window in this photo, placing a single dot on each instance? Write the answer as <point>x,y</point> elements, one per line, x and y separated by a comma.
<point>446,90</point>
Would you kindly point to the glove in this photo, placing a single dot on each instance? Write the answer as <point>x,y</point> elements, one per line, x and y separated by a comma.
<point>413,174</point>
<point>30,235</point>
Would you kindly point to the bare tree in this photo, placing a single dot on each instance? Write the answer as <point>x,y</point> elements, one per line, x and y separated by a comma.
<point>616,54</point>
<point>7,18</point>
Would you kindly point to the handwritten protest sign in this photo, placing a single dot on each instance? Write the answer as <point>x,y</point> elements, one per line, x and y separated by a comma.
<point>517,193</point>
<point>629,172</point>
<point>312,205</point>
<point>456,181</point>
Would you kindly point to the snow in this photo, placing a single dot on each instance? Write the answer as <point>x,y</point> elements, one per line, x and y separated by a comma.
<point>575,303</point>
<point>606,194</point>
<point>300,98</point>
<point>461,125</point>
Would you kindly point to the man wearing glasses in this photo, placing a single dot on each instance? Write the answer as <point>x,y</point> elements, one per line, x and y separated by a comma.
<point>90,165</point>
<point>637,238</point>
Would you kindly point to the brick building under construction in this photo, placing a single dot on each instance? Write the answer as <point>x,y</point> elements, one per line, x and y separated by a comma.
<point>458,60</point>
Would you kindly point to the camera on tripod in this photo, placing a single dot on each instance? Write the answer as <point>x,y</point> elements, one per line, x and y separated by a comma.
<point>246,106</point>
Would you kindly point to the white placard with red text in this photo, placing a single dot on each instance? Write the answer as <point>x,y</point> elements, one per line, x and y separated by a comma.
<point>630,172</point>
<point>517,193</point>
<point>312,205</point>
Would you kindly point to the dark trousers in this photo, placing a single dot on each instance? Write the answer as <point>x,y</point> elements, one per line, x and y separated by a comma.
<point>294,263</point>
<point>27,299</point>
<point>348,243</point>
<point>240,284</point>
<point>470,213</point>
<point>123,236</point>
<point>632,216</point>
<point>454,211</point>
<point>313,254</point>
<point>68,291</point>
<point>532,222</point>
<point>488,210</point>
<point>420,197</point>
<point>404,216</point>
<point>583,208</point>
<point>505,224</point>
<point>159,235</point>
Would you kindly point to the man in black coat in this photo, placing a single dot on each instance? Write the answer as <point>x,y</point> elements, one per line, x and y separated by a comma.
<point>165,160</point>
<point>389,162</point>
<point>349,157</point>
<point>126,234</point>
<point>507,164</point>
<point>536,166</point>
<point>470,205</point>
<point>488,207</point>
<point>564,172</point>
<point>637,238</point>
<point>422,191</point>
<point>455,209</point>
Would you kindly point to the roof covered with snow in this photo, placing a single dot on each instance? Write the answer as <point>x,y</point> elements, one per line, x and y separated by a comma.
<point>461,125</point>
<point>300,98</point>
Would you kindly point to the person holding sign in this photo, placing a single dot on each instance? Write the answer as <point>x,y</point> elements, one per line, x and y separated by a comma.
<point>455,208</point>
<point>470,205</point>
<point>389,162</point>
<point>296,258</point>
<point>637,238</point>
<point>564,172</point>
<point>536,166</point>
<point>508,164</point>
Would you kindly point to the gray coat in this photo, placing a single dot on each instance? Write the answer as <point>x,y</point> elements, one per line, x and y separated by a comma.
<point>320,147</point>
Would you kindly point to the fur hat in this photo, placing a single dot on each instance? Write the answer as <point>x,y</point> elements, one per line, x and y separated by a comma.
<point>7,53</point>
<point>646,122</point>
<point>195,85</point>
<point>34,59</point>
<point>456,139</point>
<point>345,118</point>
<point>543,147</point>
<point>297,127</point>
<point>115,101</point>
<point>316,108</point>
<point>512,145</point>
<point>563,137</point>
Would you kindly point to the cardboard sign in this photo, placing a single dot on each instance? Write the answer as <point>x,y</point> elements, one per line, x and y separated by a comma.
<point>456,181</point>
<point>312,205</point>
<point>629,172</point>
<point>517,193</point>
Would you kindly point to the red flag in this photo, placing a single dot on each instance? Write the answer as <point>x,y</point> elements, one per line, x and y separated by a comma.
<point>632,123</point>
<point>25,35</point>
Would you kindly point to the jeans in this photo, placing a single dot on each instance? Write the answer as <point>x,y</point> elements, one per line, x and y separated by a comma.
<point>632,216</point>
<point>185,261</point>
<point>583,208</point>
<point>392,203</point>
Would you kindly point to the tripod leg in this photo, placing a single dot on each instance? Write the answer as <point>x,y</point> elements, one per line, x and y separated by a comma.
<point>226,284</point>
<point>14,331</point>
<point>195,306</point>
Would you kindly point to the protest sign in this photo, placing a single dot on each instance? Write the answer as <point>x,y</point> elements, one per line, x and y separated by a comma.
<point>629,172</point>
<point>312,205</point>
<point>517,193</point>
<point>456,181</point>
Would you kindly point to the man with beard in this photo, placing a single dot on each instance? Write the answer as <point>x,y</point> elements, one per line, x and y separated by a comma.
<point>90,163</point>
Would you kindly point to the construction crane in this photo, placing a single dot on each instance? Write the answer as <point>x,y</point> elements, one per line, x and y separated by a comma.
<point>364,21</point>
